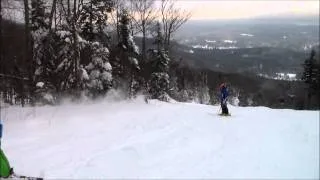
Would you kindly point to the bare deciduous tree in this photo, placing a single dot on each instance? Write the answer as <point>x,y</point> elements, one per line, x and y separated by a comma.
<point>172,19</point>
<point>115,16</point>
<point>144,15</point>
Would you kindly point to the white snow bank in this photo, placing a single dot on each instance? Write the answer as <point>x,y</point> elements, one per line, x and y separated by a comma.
<point>40,84</point>
<point>161,140</point>
<point>244,34</point>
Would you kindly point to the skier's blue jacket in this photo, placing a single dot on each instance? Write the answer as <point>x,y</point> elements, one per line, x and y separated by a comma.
<point>224,92</point>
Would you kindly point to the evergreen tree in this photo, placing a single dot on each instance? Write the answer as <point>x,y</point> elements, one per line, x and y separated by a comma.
<point>39,18</point>
<point>125,63</point>
<point>39,29</point>
<point>56,69</point>
<point>100,77</point>
<point>92,24</point>
<point>39,32</point>
<point>53,53</point>
<point>159,81</point>
<point>311,75</point>
<point>93,20</point>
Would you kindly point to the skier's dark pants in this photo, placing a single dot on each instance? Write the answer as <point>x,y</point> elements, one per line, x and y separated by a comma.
<point>224,108</point>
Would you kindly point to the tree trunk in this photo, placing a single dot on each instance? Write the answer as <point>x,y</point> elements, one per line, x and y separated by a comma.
<point>131,84</point>
<point>1,63</point>
<point>143,41</point>
<point>165,29</point>
<point>75,45</point>
<point>69,11</point>
<point>117,25</point>
<point>55,19</point>
<point>28,54</point>
<point>1,60</point>
<point>91,24</point>
<point>52,13</point>
<point>168,41</point>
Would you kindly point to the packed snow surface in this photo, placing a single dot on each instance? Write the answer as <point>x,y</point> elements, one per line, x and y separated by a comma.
<point>132,139</point>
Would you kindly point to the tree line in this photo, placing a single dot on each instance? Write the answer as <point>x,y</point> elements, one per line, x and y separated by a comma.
<point>84,48</point>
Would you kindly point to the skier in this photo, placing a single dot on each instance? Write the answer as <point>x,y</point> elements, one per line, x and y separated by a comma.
<point>223,99</point>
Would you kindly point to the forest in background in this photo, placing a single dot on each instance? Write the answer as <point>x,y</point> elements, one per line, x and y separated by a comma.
<point>82,49</point>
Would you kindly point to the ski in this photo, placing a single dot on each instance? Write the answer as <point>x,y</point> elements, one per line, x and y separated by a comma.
<point>17,176</point>
<point>224,114</point>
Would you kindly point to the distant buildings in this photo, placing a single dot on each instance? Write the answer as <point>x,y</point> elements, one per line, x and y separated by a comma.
<point>281,76</point>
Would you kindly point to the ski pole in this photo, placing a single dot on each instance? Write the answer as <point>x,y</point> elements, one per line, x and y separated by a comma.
<point>219,110</point>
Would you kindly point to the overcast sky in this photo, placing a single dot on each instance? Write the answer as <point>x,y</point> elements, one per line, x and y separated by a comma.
<point>237,9</point>
<point>226,9</point>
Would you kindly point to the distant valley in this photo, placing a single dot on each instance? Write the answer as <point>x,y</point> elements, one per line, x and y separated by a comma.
<point>253,46</point>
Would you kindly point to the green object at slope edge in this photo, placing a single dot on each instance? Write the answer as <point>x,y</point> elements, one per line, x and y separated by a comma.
<point>4,165</point>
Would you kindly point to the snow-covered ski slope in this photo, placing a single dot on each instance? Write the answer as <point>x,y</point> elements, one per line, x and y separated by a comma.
<point>161,140</point>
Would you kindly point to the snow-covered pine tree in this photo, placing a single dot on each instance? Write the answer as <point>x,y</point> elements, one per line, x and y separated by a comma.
<point>39,21</point>
<point>53,53</point>
<point>100,70</point>
<point>39,29</point>
<point>159,81</point>
<point>125,62</point>
<point>55,70</point>
<point>39,33</point>
<point>92,23</point>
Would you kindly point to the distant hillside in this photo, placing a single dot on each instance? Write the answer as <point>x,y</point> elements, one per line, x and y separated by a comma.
<point>255,60</point>
<point>288,19</point>
<point>241,73</point>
